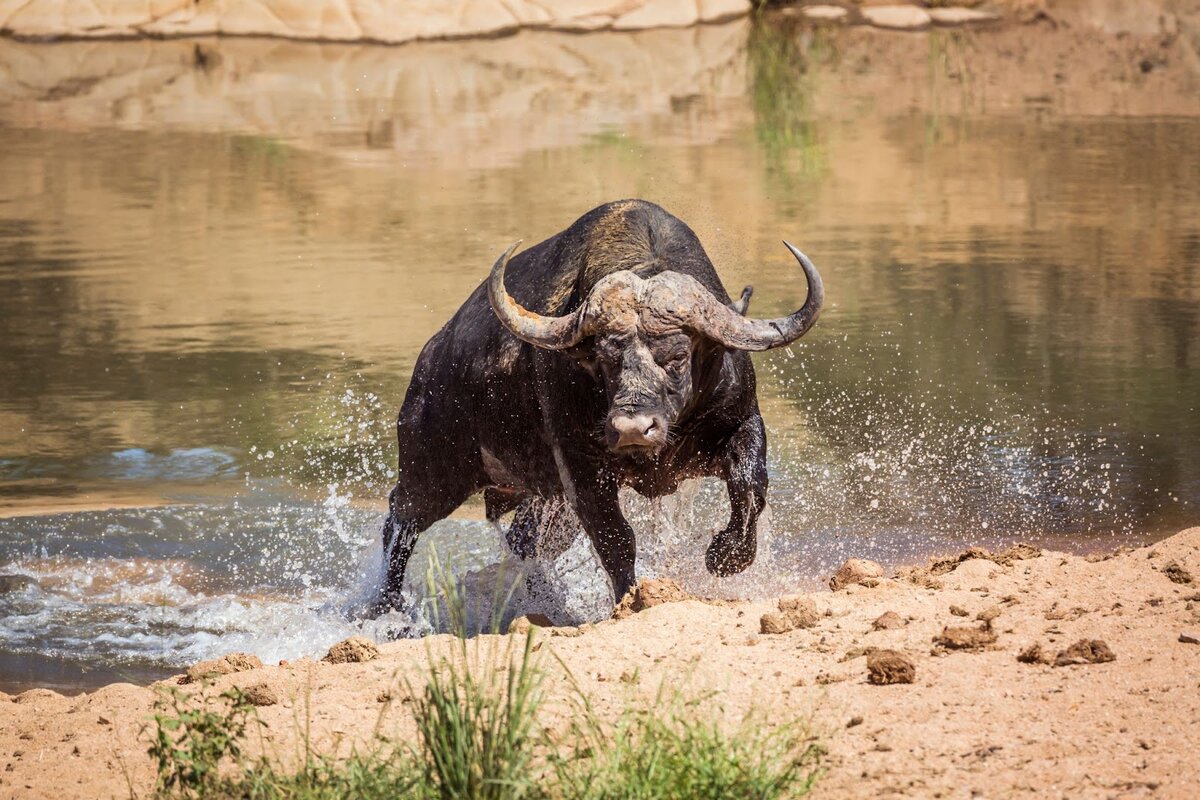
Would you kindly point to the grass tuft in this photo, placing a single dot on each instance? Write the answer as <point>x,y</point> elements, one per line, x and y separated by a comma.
<point>477,713</point>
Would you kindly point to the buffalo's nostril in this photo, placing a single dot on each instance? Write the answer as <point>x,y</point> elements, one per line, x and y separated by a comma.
<point>633,430</point>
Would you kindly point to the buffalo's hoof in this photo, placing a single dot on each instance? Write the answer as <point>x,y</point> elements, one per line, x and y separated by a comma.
<point>731,552</point>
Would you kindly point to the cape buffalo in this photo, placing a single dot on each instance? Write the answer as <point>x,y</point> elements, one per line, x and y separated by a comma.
<point>608,355</point>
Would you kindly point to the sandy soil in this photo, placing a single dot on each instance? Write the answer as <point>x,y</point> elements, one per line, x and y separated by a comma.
<point>975,722</point>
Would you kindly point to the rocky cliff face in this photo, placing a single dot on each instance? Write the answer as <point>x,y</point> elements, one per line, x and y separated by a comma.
<point>391,21</point>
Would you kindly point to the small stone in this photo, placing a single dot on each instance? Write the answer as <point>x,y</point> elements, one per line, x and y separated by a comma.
<point>1177,573</point>
<point>854,722</point>
<point>964,638</point>
<point>958,611</point>
<point>855,570</point>
<point>905,18</point>
<point>773,623</point>
<point>1034,654</point>
<point>886,667</point>
<point>522,625</point>
<point>1189,638</point>
<point>988,614</point>
<point>889,620</point>
<point>824,13</point>
<point>260,694</point>
<point>955,15</point>
<point>225,665</point>
<point>354,650</point>
<point>800,612</point>
<point>1085,651</point>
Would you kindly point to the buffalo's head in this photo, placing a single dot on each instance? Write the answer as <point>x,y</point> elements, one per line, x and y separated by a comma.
<point>644,339</point>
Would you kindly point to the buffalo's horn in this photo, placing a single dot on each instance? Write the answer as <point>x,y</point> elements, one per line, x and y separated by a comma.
<point>553,333</point>
<point>723,324</point>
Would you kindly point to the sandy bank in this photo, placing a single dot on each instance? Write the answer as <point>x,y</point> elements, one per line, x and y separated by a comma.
<point>974,721</point>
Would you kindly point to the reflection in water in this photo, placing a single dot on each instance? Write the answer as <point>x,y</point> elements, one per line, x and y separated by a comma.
<point>216,273</point>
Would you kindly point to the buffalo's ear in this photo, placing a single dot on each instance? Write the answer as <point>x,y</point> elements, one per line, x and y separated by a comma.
<point>742,304</point>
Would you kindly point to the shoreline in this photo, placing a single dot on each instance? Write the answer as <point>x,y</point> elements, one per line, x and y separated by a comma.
<point>1082,729</point>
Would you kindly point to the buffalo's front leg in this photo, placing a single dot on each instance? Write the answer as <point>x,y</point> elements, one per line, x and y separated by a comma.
<point>745,465</point>
<point>414,504</point>
<point>599,511</point>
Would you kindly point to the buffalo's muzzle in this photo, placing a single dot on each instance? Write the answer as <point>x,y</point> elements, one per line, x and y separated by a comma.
<point>631,432</point>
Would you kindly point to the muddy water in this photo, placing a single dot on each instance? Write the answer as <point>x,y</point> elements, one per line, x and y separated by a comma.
<point>219,260</point>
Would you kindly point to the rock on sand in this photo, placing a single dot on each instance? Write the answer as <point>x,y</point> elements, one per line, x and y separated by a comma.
<point>1085,651</point>
<point>890,666</point>
<point>354,650</point>
<point>855,570</point>
<point>225,665</point>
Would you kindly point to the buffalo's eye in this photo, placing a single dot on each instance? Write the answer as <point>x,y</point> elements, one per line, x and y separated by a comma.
<point>608,352</point>
<point>676,363</point>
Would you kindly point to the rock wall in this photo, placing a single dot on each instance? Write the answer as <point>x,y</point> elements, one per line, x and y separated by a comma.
<point>390,21</point>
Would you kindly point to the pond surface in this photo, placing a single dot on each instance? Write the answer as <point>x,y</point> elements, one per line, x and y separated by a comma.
<point>219,260</point>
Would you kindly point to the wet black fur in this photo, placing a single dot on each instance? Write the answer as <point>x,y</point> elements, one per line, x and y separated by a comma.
<point>476,387</point>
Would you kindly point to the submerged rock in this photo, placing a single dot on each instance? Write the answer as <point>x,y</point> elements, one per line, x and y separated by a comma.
<point>905,18</point>
<point>956,15</point>
<point>886,667</point>
<point>824,13</point>
<point>855,570</point>
<point>1085,651</point>
<point>225,665</point>
<point>16,583</point>
<point>354,650</point>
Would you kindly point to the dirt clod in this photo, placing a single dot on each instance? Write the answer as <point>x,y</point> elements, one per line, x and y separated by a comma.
<point>1034,654</point>
<point>889,620</point>
<point>1085,651</point>
<point>855,570</point>
<point>773,623</point>
<point>260,694</point>
<point>794,612</point>
<point>886,667</point>
<point>225,665</point>
<point>800,611</point>
<point>521,625</point>
<point>354,650</point>
<point>1177,573</point>
<point>963,637</point>
<point>650,592</point>
<point>988,614</point>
